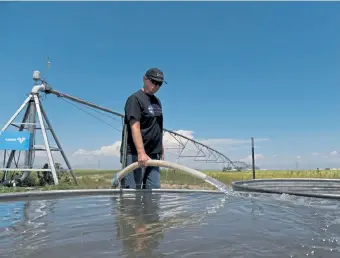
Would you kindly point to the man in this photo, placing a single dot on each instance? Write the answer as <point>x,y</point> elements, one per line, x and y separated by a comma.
<point>144,121</point>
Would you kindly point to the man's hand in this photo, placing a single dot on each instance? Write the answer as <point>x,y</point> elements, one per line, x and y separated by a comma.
<point>142,159</point>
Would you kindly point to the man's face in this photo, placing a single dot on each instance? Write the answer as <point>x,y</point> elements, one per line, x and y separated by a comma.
<point>151,85</point>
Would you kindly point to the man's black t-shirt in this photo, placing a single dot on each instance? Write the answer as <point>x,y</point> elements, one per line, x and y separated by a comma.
<point>146,109</point>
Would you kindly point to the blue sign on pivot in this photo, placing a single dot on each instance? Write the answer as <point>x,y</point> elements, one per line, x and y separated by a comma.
<point>15,140</point>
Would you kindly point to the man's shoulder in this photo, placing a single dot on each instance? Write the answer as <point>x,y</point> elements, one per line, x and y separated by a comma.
<point>137,94</point>
<point>134,96</point>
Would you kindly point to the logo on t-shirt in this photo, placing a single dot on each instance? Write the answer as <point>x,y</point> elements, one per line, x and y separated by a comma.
<point>155,109</point>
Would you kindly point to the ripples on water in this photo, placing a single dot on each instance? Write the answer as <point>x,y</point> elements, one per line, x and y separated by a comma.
<point>171,224</point>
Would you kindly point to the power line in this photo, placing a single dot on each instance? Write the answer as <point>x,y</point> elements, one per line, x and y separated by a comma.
<point>69,102</point>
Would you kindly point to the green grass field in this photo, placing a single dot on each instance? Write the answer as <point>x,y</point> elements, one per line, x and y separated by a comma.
<point>175,179</point>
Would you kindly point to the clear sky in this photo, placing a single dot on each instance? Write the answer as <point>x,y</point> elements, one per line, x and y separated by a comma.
<point>234,70</point>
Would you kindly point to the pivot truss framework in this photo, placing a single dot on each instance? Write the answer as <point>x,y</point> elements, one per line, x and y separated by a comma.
<point>201,152</point>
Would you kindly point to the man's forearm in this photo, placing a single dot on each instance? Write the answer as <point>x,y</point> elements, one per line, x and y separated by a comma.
<point>137,137</point>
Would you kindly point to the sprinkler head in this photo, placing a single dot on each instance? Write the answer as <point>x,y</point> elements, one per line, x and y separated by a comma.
<point>36,75</point>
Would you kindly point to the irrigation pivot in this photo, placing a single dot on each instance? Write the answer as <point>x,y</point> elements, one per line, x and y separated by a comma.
<point>35,118</point>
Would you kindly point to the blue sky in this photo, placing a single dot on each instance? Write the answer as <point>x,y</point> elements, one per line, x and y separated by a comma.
<point>234,70</point>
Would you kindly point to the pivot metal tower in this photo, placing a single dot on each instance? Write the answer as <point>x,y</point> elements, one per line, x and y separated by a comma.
<point>34,110</point>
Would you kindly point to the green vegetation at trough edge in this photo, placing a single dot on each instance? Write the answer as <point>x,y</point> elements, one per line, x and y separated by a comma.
<point>96,179</point>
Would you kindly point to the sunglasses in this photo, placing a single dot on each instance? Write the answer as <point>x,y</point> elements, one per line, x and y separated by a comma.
<point>156,83</point>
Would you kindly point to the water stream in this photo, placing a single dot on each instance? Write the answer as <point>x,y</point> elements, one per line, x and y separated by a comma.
<point>219,185</point>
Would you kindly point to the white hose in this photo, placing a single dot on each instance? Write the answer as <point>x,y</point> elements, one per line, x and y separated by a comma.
<point>160,163</point>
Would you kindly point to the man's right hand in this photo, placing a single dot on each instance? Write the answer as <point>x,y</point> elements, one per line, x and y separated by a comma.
<point>142,159</point>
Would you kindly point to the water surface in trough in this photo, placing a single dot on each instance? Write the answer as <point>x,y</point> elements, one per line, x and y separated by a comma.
<point>171,224</point>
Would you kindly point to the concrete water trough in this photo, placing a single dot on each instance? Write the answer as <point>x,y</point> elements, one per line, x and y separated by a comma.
<point>309,187</point>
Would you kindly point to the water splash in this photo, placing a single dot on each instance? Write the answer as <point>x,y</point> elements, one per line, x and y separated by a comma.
<point>219,185</point>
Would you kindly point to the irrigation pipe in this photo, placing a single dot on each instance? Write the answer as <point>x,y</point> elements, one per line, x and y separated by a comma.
<point>161,163</point>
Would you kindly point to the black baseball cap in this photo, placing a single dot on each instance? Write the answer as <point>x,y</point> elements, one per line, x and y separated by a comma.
<point>155,74</point>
